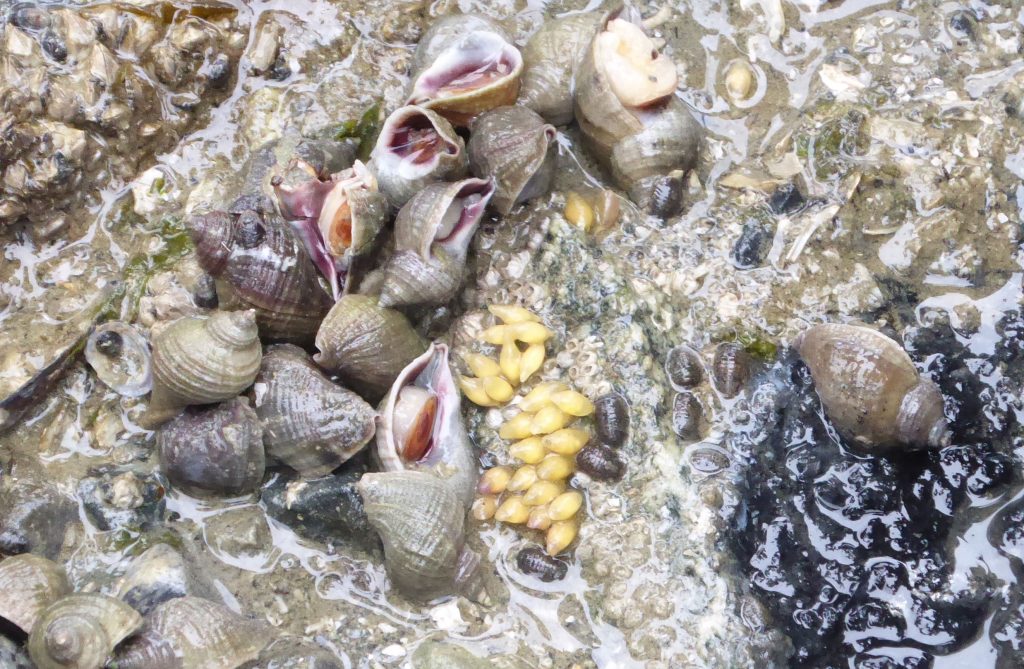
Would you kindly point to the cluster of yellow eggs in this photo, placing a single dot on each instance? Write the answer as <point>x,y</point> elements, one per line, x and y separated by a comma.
<point>534,492</point>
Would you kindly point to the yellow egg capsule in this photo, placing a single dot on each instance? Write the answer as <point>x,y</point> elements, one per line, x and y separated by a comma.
<point>548,419</point>
<point>578,212</point>
<point>573,403</point>
<point>529,450</point>
<point>542,492</point>
<point>516,427</point>
<point>540,396</point>
<point>510,313</point>
<point>494,481</point>
<point>554,468</point>
<point>530,361</point>
<point>484,507</point>
<point>496,334</point>
<point>481,365</point>
<point>567,441</point>
<point>524,477</point>
<point>529,333</point>
<point>539,518</point>
<point>560,535</point>
<point>510,359</point>
<point>473,389</point>
<point>512,510</point>
<point>498,389</point>
<point>565,505</point>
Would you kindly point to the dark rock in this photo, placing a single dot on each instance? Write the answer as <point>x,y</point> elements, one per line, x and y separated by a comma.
<point>754,242</point>
<point>786,199</point>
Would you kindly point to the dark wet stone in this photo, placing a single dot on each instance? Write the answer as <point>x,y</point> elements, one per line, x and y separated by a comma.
<point>54,46</point>
<point>34,518</point>
<point>963,24</point>
<point>754,242</point>
<point>12,655</point>
<point>205,293</point>
<point>119,499</point>
<point>786,199</point>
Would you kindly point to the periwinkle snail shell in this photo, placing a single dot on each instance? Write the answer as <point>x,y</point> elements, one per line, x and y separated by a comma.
<point>870,389</point>
<point>202,361</point>
<point>216,450</point>
<point>731,368</point>
<point>28,584</point>
<point>195,633</point>
<point>257,255</point>
<point>309,423</point>
<point>514,146</point>
<point>80,631</point>
<point>420,522</point>
<point>416,147</point>
<point>550,58</point>
<point>366,344</point>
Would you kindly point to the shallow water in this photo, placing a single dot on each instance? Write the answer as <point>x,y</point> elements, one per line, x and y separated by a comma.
<point>900,124</point>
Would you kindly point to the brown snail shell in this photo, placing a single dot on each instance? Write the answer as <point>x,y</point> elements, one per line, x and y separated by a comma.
<point>432,235</point>
<point>80,631</point>
<point>216,450</point>
<point>611,417</point>
<point>256,254</point>
<point>550,59</point>
<point>731,368</point>
<point>366,344</point>
<point>416,147</point>
<point>200,360</point>
<point>194,633</point>
<point>420,522</point>
<point>309,423</point>
<point>515,147</point>
<point>870,389</point>
<point>465,64</point>
<point>28,584</point>
<point>425,394</point>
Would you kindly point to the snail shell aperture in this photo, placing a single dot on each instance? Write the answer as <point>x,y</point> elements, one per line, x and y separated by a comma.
<point>870,388</point>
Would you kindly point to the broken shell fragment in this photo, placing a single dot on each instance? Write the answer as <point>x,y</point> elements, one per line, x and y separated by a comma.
<point>120,356</point>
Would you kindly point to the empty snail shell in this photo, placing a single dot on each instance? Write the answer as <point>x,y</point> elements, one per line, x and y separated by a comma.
<point>464,65</point>
<point>627,111</point>
<point>267,270</point>
<point>80,631</point>
<point>195,633</point>
<point>119,355</point>
<point>215,450</point>
<point>338,220</point>
<point>432,235</point>
<point>366,344</point>
<point>550,59</point>
<point>870,389</point>
<point>416,147</point>
<point>421,425</point>
<point>420,522</point>
<point>731,368</point>
<point>309,423</point>
<point>611,414</point>
<point>200,360</point>
<point>515,147</point>
<point>28,584</point>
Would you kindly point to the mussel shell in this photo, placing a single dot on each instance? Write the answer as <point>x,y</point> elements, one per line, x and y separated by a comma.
<point>684,368</point>
<point>731,368</point>
<point>203,361</point>
<point>398,177</point>
<point>515,147</point>
<point>611,417</point>
<point>420,522</point>
<point>550,59</point>
<point>194,633</point>
<point>80,631</point>
<point>28,585</point>
<point>309,423</point>
<point>267,270</point>
<point>366,344</point>
<point>119,355</point>
<point>34,518</point>
<point>216,450</point>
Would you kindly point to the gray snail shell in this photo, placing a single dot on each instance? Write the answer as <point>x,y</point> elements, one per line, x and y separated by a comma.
<point>80,631</point>
<point>28,584</point>
<point>309,423</point>
<point>515,147</point>
<point>550,59</point>
<point>870,389</point>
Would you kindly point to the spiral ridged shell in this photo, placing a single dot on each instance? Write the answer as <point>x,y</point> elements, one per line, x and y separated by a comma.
<point>203,360</point>
<point>309,423</point>
<point>28,584</point>
<point>870,389</point>
<point>514,146</point>
<point>193,633</point>
<point>366,344</point>
<point>80,631</point>
<point>410,279</point>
